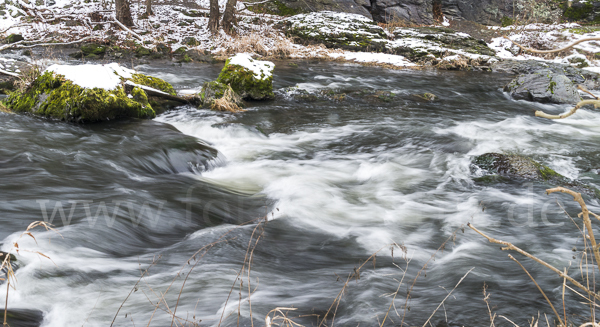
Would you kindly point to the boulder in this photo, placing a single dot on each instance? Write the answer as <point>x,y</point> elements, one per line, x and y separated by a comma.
<point>89,93</point>
<point>14,38</point>
<point>294,7</point>
<point>414,11</point>
<point>543,86</point>
<point>512,165</point>
<point>337,30</point>
<point>214,90</point>
<point>249,78</point>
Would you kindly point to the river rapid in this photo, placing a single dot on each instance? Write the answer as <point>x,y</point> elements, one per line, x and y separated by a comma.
<point>338,181</point>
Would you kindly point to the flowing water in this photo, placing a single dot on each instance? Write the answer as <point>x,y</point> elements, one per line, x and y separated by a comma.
<point>338,181</point>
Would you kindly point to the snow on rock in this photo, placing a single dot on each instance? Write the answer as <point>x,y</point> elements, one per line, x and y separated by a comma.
<point>261,69</point>
<point>106,77</point>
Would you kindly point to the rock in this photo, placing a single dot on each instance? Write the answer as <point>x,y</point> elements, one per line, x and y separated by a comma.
<point>250,78</point>
<point>68,93</point>
<point>23,317</point>
<point>414,11</point>
<point>415,43</point>
<point>3,256</point>
<point>191,41</point>
<point>512,165</point>
<point>543,86</point>
<point>93,48</point>
<point>497,167</point>
<point>337,30</point>
<point>214,90</point>
<point>295,7</point>
<point>7,83</point>
<point>26,53</point>
<point>14,38</point>
<point>356,33</point>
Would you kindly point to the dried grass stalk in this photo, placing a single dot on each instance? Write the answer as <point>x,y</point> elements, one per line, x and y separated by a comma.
<point>227,102</point>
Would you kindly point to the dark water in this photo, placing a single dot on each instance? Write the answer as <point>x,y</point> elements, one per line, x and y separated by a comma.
<point>339,180</point>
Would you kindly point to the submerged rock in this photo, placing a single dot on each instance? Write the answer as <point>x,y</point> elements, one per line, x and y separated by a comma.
<point>88,93</point>
<point>512,165</point>
<point>23,317</point>
<point>543,86</point>
<point>497,167</point>
<point>249,78</point>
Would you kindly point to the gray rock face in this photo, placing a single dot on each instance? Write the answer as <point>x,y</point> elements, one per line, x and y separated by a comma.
<point>414,11</point>
<point>543,86</point>
<point>481,11</point>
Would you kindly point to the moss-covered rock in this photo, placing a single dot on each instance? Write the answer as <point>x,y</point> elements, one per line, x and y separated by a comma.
<point>14,38</point>
<point>513,165</point>
<point>337,30</point>
<point>215,90</point>
<point>251,79</point>
<point>53,95</point>
<point>93,48</point>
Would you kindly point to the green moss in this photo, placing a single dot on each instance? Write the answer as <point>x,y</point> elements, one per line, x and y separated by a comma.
<point>551,86</point>
<point>244,83</point>
<point>153,82</point>
<point>53,96</point>
<point>93,48</point>
<point>578,13</point>
<point>507,21</point>
<point>14,38</point>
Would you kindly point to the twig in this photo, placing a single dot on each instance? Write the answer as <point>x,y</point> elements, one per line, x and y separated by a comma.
<point>8,73</point>
<point>539,288</point>
<point>128,30</point>
<point>580,87</point>
<point>586,217</point>
<point>510,246</point>
<point>555,50</point>
<point>447,296</point>
<point>580,104</point>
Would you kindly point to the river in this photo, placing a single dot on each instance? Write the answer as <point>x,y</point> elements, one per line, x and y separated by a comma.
<point>338,180</point>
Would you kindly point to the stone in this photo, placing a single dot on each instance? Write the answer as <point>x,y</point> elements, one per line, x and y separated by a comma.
<point>54,96</point>
<point>543,86</point>
<point>23,317</point>
<point>337,30</point>
<point>214,90</point>
<point>512,165</point>
<point>14,38</point>
<point>295,7</point>
<point>250,78</point>
<point>414,11</point>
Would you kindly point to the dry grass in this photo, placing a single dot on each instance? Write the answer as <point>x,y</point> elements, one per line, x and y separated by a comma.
<point>27,77</point>
<point>229,102</point>
<point>7,266</point>
<point>4,108</point>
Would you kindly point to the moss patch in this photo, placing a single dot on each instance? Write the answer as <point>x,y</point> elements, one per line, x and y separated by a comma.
<point>153,82</point>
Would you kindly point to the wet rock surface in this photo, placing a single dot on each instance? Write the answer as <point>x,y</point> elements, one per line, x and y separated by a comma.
<point>543,86</point>
<point>23,317</point>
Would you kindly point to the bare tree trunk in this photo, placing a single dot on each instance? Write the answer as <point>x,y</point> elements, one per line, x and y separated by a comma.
<point>123,12</point>
<point>213,17</point>
<point>149,8</point>
<point>229,17</point>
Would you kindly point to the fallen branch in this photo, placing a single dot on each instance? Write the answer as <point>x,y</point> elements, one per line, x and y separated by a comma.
<point>51,44</point>
<point>555,50</point>
<point>585,213</point>
<point>128,86</point>
<point>9,73</point>
<point>580,104</point>
<point>128,30</point>
<point>510,246</point>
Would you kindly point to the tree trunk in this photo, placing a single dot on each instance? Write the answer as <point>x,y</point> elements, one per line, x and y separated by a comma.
<point>229,17</point>
<point>123,12</point>
<point>149,8</point>
<point>213,18</point>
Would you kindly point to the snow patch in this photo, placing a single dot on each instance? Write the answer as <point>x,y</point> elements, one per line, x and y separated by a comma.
<point>261,69</point>
<point>90,76</point>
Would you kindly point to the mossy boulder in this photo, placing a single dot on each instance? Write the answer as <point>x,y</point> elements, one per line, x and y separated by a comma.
<point>337,30</point>
<point>14,38</point>
<point>93,48</point>
<point>53,95</point>
<point>214,90</point>
<point>249,78</point>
